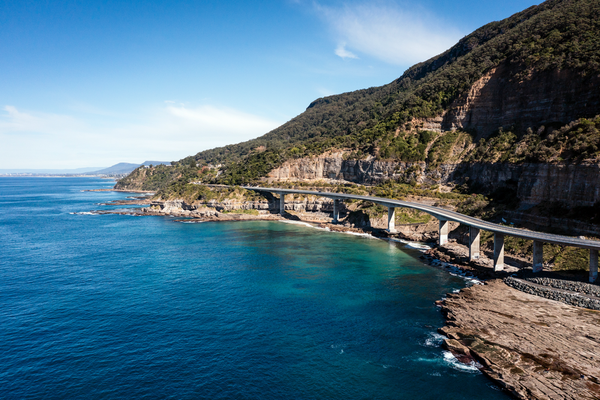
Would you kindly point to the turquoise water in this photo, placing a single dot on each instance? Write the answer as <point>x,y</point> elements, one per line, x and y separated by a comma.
<point>117,306</point>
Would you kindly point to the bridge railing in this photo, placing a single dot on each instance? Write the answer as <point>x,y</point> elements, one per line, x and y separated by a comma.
<point>444,216</point>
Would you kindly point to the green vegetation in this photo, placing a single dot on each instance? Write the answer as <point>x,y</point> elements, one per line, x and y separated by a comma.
<point>408,216</point>
<point>577,141</point>
<point>191,193</point>
<point>249,212</point>
<point>566,258</point>
<point>387,122</point>
<point>555,35</point>
<point>390,123</point>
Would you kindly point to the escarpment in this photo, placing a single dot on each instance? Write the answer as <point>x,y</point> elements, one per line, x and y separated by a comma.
<point>541,98</point>
<point>512,111</point>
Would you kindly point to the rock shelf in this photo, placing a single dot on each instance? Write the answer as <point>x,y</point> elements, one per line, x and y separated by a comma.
<point>533,347</point>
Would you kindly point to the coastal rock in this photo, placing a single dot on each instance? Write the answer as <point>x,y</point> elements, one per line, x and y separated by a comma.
<point>563,291</point>
<point>533,347</point>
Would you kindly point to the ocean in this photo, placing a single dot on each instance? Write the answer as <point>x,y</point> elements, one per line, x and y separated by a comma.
<point>125,307</point>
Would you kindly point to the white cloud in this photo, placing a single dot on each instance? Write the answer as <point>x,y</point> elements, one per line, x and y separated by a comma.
<point>219,120</point>
<point>41,140</point>
<point>15,121</point>
<point>341,51</point>
<point>394,34</point>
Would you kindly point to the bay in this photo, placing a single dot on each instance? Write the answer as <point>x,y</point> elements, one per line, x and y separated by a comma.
<point>117,306</point>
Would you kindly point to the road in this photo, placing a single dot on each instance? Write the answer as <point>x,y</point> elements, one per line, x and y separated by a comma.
<point>443,214</point>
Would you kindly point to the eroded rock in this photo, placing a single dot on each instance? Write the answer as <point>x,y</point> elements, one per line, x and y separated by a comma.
<point>533,347</point>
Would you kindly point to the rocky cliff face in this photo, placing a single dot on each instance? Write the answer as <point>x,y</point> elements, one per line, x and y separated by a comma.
<point>335,167</point>
<point>576,185</point>
<point>181,207</point>
<point>499,99</point>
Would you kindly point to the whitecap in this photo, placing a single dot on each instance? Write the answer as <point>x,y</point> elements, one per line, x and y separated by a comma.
<point>472,367</point>
<point>367,235</point>
<point>305,224</point>
<point>412,245</point>
<point>434,340</point>
<point>326,228</point>
<point>298,223</point>
<point>455,271</point>
<point>83,213</point>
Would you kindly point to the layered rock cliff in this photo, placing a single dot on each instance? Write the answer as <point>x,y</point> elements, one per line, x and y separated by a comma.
<point>575,184</point>
<point>333,166</point>
<point>502,98</point>
<point>508,109</point>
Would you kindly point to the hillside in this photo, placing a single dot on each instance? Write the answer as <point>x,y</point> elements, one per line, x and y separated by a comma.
<point>516,92</point>
<point>126,168</point>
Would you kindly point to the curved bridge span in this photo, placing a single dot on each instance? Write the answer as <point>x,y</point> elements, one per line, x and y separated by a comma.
<point>444,216</point>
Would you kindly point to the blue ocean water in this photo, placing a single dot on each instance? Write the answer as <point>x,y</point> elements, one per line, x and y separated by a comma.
<point>124,307</point>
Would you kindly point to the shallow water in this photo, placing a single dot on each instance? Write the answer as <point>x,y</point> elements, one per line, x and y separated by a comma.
<point>116,306</point>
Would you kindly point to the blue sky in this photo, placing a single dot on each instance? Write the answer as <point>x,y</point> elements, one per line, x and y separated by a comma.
<point>92,83</point>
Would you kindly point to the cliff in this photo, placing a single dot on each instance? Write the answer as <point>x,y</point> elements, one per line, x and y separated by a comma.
<point>511,111</point>
<point>542,98</point>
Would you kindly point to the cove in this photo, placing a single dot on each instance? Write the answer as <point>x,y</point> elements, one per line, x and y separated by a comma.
<point>116,306</point>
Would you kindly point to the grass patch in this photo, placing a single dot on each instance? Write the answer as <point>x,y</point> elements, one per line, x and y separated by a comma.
<point>249,212</point>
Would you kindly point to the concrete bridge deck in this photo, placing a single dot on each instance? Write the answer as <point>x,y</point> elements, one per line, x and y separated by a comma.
<point>474,224</point>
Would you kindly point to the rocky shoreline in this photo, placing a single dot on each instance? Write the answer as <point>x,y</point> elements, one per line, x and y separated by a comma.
<point>531,346</point>
<point>536,336</point>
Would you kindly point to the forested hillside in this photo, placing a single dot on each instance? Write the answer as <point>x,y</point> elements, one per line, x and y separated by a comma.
<point>525,89</point>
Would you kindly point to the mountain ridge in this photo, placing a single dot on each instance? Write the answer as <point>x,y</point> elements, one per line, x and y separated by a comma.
<point>524,89</point>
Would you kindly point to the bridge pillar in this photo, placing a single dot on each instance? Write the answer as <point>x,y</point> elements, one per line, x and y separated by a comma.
<point>392,220</point>
<point>444,229</point>
<point>498,252</point>
<point>474,241</point>
<point>336,211</point>
<point>593,265</point>
<point>281,203</point>
<point>538,256</point>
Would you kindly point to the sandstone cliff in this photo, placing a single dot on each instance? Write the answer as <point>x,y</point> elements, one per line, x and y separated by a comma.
<point>501,98</point>
<point>574,184</point>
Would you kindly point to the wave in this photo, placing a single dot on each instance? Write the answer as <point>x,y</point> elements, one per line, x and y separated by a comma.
<point>83,213</point>
<point>472,367</point>
<point>456,271</point>
<point>360,234</point>
<point>413,245</point>
<point>298,223</point>
<point>368,235</point>
<point>449,360</point>
<point>434,340</point>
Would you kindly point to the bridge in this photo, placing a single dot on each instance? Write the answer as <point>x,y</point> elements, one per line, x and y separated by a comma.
<point>445,216</point>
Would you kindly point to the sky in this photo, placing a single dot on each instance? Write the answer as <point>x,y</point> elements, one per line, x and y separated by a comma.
<point>89,83</point>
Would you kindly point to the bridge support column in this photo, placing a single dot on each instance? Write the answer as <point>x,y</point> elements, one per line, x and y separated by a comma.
<point>538,256</point>
<point>498,252</point>
<point>281,203</point>
<point>474,241</point>
<point>392,220</point>
<point>593,265</point>
<point>444,229</point>
<point>336,211</point>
